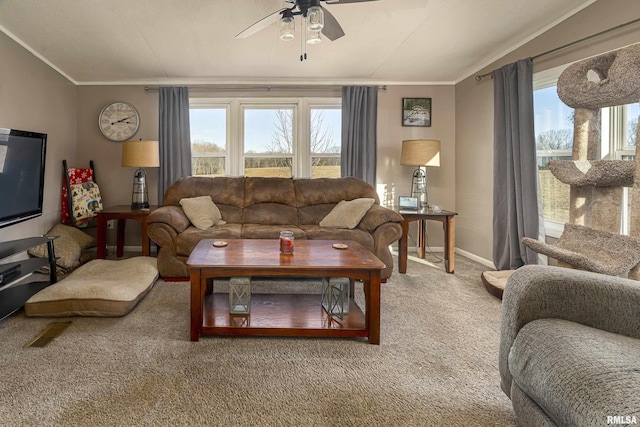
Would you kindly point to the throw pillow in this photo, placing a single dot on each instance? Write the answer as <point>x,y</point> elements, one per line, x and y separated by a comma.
<point>68,246</point>
<point>347,214</point>
<point>201,211</point>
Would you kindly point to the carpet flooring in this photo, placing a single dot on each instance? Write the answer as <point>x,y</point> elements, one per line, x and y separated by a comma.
<point>436,365</point>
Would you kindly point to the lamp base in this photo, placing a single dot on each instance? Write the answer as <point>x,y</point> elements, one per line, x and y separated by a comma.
<point>140,195</point>
<point>139,206</point>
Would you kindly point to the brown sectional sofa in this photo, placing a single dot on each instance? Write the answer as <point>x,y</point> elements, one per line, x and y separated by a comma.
<point>259,208</point>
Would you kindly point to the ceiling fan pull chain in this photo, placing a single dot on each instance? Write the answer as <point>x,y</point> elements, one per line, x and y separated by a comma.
<point>304,37</point>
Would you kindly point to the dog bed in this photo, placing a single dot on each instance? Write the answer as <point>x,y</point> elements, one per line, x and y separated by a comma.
<point>102,288</point>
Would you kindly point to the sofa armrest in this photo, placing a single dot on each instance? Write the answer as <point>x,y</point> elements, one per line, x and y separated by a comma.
<point>378,215</point>
<point>532,292</point>
<point>171,215</point>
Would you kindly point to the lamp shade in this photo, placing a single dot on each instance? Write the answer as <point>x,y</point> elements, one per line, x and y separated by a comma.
<point>140,154</point>
<point>420,152</point>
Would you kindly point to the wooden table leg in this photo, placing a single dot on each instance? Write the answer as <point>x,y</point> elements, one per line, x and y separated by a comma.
<point>449,244</point>
<point>422,238</point>
<point>145,237</point>
<point>372,303</point>
<point>403,245</point>
<point>196,304</point>
<point>120,238</point>
<point>101,237</point>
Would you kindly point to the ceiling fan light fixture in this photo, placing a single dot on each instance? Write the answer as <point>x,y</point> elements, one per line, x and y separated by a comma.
<point>313,37</point>
<point>287,26</point>
<point>315,17</point>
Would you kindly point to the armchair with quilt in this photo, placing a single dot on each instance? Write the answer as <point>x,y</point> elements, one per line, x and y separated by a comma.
<point>570,347</point>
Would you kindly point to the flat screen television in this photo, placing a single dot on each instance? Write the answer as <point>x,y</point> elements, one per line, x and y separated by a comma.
<point>22,161</point>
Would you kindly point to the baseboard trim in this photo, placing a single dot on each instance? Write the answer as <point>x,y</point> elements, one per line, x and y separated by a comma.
<point>476,258</point>
<point>414,250</point>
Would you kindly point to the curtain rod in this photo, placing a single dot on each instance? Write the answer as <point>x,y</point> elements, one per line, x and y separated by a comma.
<point>533,58</point>
<point>267,88</point>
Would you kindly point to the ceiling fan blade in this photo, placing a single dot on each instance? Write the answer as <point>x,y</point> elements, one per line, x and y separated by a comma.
<point>332,30</point>
<point>346,1</point>
<point>261,24</point>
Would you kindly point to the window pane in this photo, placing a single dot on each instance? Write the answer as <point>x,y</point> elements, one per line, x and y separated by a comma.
<point>326,130</point>
<point>208,166</point>
<point>325,167</point>
<point>631,125</point>
<point>268,131</point>
<point>555,194</point>
<point>268,166</point>
<point>208,127</point>
<point>554,136</point>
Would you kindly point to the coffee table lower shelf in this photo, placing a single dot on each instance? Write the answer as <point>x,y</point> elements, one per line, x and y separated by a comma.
<point>299,315</point>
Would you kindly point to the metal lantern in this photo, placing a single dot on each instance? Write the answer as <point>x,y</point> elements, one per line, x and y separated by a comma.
<point>335,296</point>
<point>240,295</point>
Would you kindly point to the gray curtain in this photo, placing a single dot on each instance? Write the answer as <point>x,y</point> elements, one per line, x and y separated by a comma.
<point>359,122</point>
<point>515,180</point>
<point>174,137</point>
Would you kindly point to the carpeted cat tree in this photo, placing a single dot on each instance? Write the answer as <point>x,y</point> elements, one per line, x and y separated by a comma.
<point>591,240</point>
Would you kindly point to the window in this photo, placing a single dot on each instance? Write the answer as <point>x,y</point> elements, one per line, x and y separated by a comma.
<point>553,122</point>
<point>268,141</point>
<point>325,134</point>
<point>554,141</point>
<point>209,141</point>
<point>276,137</point>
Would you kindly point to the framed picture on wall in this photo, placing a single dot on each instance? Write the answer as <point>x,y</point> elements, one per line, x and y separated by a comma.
<point>416,111</point>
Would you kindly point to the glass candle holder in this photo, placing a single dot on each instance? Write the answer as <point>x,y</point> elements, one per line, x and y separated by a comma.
<point>286,242</point>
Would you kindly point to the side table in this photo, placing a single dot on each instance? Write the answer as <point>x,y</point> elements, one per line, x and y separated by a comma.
<point>447,218</point>
<point>121,213</point>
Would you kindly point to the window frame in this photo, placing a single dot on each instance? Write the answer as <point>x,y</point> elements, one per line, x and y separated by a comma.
<point>221,105</point>
<point>235,154</point>
<point>613,142</point>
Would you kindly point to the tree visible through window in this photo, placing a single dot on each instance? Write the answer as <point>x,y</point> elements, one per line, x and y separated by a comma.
<point>267,137</point>
<point>554,140</point>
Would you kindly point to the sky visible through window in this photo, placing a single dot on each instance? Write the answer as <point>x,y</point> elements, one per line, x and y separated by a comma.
<point>550,112</point>
<point>209,125</point>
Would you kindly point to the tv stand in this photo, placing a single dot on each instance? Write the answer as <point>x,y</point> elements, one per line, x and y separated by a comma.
<point>14,292</point>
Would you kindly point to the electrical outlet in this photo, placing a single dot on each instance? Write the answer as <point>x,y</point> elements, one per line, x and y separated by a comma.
<point>111,224</point>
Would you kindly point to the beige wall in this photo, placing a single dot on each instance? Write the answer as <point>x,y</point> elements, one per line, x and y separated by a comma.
<point>36,98</point>
<point>116,187</point>
<point>116,182</point>
<point>474,111</point>
<point>394,180</point>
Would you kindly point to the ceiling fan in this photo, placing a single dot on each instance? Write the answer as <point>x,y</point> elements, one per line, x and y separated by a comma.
<point>318,19</point>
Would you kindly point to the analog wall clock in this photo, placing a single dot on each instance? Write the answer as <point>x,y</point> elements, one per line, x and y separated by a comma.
<point>119,121</point>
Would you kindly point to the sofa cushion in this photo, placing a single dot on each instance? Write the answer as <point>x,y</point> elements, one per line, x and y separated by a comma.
<point>99,288</point>
<point>223,191</point>
<point>270,214</point>
<point>272,190</point>
<point>319,191</point>
<point>347,214</point>
<point>578,375</point>
<point>201,211</point>
<point>315,232</point>
<point>188,239</point>
<point>313,214</point>
<point>263,231</point>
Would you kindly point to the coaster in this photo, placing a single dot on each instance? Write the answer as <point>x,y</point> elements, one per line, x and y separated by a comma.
<point>220,243</point>
<point>340,246</point>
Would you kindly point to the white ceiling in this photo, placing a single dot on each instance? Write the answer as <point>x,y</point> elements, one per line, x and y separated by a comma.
<point>193,41</point>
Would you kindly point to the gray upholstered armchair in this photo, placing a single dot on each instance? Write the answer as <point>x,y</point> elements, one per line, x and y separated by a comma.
<point>570,347</point>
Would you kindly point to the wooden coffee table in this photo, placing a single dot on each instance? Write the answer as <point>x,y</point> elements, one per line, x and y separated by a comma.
<point>283,314</point>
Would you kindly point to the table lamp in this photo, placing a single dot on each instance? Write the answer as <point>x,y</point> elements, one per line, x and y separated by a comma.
<point>420,152</point>
<point>139,154</point>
